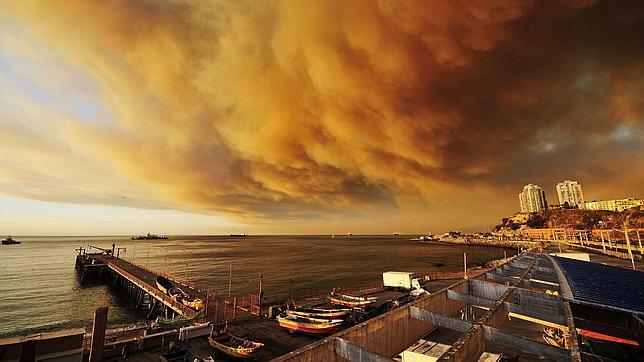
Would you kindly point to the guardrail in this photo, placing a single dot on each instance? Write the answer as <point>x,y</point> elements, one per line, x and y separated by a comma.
<point>165,299</point>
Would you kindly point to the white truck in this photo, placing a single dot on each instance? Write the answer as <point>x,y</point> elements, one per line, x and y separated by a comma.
<point>401,280</point>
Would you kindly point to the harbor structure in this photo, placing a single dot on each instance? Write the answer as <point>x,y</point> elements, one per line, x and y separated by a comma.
<point>532,199</point>
<point>559,296</point>
<point>570,194</point>
<point>613,205</point>
<point>504,309</point>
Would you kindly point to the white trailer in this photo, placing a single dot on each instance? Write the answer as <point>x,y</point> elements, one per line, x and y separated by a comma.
<point>401,280</point>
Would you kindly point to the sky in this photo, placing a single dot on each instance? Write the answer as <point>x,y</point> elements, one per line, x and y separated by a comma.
<point>315,117</point>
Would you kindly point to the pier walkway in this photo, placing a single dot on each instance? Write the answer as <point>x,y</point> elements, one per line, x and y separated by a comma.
<point>137,280</point>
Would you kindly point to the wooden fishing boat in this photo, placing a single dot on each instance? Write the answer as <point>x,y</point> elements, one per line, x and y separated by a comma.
<point>351,301</point>
<point>177,294</point>
<point>319,312</point>
<point>164,284</point>
<point>193,302</point>
<point>235,346</point>
<point>554,336</point>
<point>310,325</point>
<point>179,321</point>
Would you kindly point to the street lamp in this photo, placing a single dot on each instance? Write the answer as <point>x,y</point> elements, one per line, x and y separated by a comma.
<point>554,234</point>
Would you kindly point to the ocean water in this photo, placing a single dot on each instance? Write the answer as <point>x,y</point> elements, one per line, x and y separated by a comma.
<point>40,289</point>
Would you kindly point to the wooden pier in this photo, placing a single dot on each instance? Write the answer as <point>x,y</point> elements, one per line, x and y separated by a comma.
<point>139,283</point>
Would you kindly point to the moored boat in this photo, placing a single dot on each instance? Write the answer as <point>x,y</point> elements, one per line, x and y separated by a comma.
<point>351,301</point>
<point>177,294</point>
<point>193,302</point>
<point>164,284</point>
<point>179,321</point>
<point>235,346</point>
<point>319,312</point>
<point>10,241</point>
<point>310,325</point>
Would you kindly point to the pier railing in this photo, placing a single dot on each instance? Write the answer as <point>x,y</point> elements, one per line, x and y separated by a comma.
<point>453,275</point>
<point>162,297</point>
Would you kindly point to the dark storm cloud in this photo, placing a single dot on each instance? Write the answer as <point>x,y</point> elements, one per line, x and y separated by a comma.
<point>287,109</point>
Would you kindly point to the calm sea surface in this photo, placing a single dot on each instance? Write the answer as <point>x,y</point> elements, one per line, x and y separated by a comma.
<point>40,290</point>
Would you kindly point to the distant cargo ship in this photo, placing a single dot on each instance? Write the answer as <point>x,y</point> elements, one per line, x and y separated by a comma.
<point>10,241</point>
<point>242,235</point>
<point>149,236</point>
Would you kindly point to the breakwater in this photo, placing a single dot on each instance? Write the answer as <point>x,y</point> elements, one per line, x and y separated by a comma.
<point>508,244</point>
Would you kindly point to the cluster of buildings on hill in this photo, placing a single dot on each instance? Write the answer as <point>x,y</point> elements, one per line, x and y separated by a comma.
<point>533,199</point>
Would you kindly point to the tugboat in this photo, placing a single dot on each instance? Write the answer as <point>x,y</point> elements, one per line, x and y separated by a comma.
<point>10,241</point>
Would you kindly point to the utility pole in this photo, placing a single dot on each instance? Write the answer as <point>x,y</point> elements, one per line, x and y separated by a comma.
<point>230,277</point>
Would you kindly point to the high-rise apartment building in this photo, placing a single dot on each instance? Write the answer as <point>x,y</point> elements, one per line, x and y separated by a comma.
<point>569,192</point>
<point>532,199</point>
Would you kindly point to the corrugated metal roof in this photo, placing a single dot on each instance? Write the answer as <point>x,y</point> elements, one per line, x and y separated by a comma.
<point>604,285</point>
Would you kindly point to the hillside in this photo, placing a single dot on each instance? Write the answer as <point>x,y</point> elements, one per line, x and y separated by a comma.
<point>574,218</point>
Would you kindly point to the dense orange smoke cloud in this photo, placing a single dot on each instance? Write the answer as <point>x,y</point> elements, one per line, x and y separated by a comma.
<point>299,110</point>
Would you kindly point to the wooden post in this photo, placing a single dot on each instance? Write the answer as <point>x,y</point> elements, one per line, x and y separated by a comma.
<point>639,242</point>
<point>98,335</point>
<point>261,292</point>
<point>610,243</point>
<point>601,233</point>
<point>628,245</point>
<point>464,265</point>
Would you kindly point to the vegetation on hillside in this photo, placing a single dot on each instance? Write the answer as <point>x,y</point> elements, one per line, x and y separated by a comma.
<point>576,219</point>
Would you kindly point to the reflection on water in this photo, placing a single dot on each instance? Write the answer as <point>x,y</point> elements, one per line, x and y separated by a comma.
<point>39,288</point>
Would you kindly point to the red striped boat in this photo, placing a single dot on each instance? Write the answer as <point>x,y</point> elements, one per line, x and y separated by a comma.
<point>319,312</point>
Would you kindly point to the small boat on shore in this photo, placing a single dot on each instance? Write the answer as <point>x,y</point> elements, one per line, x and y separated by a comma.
<point>319,312</point>
<point>164,284</point>
<point>351,301</point>
<point>149,236</point>
<point>193,302</point>
<point>243,235</point>
<point>10,241</point>
<point>178,321</point>
<point>177,294</point>
<point>235,346</point>
<point>310,325</point>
